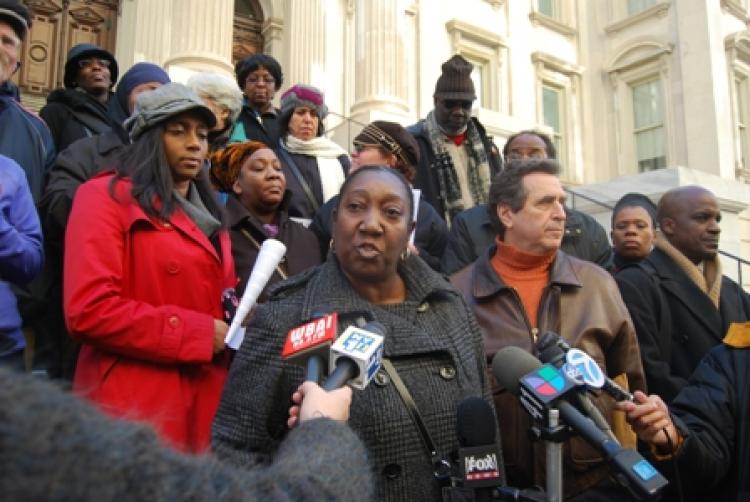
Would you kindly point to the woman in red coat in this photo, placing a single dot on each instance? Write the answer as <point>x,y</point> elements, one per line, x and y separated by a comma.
<point>147,261</point>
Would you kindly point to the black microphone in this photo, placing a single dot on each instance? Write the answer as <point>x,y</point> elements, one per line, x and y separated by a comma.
<point>550,351</point>
<point>553,348</point>
<point>479,459</point>
<point>541,387</point>
<point>356,356</point>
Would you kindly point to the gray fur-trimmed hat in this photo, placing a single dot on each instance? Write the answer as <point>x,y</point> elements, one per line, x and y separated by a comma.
<point>154,107</point>
<point>301,95</point>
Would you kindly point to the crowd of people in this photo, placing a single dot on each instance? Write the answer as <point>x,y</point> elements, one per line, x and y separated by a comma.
<point>134,209</point>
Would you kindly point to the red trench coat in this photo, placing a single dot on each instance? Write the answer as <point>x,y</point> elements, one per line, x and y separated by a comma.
<point>142,296</point>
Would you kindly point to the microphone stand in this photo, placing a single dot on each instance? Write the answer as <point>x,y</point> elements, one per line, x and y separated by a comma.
<point>554,435</point>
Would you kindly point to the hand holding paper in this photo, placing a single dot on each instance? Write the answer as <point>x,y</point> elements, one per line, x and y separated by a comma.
<point>270,254</point>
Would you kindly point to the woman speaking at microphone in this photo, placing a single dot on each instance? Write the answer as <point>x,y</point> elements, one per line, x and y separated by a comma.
<point>431,340</point>
<point>257,209</point>
<point>147,260</point>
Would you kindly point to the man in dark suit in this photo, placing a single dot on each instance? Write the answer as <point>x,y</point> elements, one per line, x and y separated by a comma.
<point>680,302</point>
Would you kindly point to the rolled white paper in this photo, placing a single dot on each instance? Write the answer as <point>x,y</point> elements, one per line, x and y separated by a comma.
<point>270,254</point>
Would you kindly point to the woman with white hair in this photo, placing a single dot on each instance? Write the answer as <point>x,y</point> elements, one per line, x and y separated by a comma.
<point>222,96</point>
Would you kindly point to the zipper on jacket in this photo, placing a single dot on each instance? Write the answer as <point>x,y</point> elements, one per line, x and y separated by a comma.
<point>533,332</point>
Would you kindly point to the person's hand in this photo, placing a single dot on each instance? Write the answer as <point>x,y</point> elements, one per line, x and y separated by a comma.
<point>649,417</point>
<point>220,332</point>
<point>311,401</point>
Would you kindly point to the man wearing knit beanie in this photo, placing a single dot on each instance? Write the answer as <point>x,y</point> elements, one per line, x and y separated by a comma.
<point>55,350</point>
<point>457,158</point>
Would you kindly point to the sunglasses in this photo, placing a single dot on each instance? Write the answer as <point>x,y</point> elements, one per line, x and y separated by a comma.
<point>453,103</point>
<point>89,62</point>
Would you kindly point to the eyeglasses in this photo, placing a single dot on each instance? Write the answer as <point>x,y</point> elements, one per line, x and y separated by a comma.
<point>537,154</point>
<point>10,42</point>
<point>361,147</point>
<point>452,103</point>
<point>255,80</point>
<point>89,62</point>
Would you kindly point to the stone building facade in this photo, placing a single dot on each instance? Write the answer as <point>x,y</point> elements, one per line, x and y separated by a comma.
<point>639,95</point>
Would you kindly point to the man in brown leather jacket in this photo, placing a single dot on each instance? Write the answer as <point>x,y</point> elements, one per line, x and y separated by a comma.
<point>525,286</point>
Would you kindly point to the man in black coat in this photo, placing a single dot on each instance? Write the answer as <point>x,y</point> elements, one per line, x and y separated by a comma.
<point>79,110</point>
<point>709,426</point>
<point>457,159</point>
<point>472,233</point>
<point>679,301</point>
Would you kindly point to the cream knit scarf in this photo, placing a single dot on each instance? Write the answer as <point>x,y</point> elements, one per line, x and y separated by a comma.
<point>709,281</point>
<point>326,153</point>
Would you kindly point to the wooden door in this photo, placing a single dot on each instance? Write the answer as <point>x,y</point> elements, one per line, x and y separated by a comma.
<point>58,25</point>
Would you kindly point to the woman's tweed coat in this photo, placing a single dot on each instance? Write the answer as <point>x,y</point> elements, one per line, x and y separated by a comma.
<point>432,340</point>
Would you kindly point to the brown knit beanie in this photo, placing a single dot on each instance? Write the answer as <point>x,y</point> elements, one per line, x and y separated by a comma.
<point>455,82</point>
<point>226,163</point>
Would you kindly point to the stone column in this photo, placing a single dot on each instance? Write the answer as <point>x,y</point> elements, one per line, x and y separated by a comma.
<point>143,32</point>
<point>306,42</point>
<point>381,76</point>
<point>201,37</point>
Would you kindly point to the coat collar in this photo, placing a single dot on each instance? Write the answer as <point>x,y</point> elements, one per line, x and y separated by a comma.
<point>330,291</point>
<point>486,282</point>
<point>679,286</point>
<point>179,220</point>
<point>238,215</point>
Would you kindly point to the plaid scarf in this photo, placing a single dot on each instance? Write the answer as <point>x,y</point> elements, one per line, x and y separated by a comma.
<point>478,168</point>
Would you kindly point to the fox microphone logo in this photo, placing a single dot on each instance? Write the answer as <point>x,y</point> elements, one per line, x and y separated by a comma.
<point>477,468</point>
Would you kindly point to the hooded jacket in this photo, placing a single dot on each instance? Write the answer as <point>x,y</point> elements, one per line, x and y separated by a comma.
<point>72,114</point>
<point>25,138</point>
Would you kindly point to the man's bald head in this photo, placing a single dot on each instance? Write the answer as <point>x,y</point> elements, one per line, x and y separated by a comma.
<point>689,218</point>
<point>678,200</point>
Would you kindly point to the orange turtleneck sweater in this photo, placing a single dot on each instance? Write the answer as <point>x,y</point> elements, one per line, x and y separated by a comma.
<point>527,273</point>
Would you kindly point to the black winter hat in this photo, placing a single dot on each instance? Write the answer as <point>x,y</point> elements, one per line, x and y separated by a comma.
<point>251,63</point>
<point>81,51</point>
<point>15,13</point>
<point>455,81</point>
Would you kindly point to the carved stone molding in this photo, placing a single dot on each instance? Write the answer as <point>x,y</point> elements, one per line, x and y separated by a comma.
<point>655,11</point>
<point>86,16</point>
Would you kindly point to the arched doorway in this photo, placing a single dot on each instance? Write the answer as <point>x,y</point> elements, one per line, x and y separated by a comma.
<point>248,23</point>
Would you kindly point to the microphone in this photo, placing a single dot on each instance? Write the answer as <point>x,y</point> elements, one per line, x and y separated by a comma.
<point>478,457</point>
<point>309,345</point>
<point>270,254</point>
<point>550,351</point>
<point>541,387</point>
<point>552,348</point>
<point>356,356</point>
